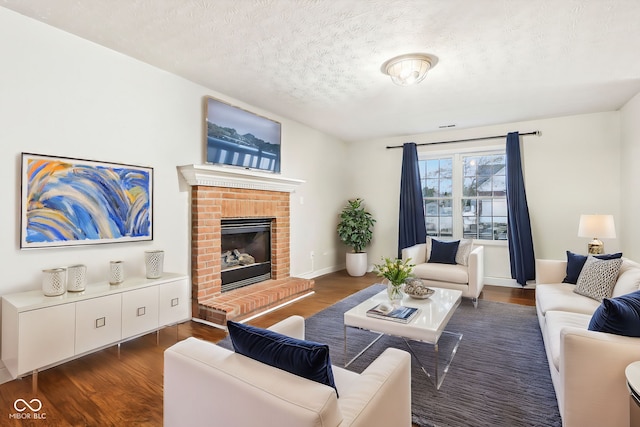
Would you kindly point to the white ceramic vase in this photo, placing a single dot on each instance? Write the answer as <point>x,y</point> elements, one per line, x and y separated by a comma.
<point>356,263</point>
<point>76,278</point>
<point>154,261</point>
<point>54,281</point>
<point>116,272</point>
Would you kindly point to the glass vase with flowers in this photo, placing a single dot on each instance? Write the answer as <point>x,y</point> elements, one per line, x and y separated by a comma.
<point>395,271</point>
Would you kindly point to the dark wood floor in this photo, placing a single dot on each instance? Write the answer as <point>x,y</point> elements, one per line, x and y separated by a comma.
<point>117,387</point>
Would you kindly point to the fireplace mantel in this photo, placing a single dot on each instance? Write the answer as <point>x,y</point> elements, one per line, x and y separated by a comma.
<point>219,193</point>
<point>216,176</point>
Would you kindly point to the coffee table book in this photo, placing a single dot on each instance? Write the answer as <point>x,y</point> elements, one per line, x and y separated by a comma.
<point>400,314</point>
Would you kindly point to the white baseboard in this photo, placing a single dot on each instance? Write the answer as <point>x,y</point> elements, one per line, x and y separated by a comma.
<point>508,283</point>
<point>493,281</point>
<point>317,273</point>
<point>5,376</point>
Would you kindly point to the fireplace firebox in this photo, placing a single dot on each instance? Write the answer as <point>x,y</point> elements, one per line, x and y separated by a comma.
<point>245,252</point>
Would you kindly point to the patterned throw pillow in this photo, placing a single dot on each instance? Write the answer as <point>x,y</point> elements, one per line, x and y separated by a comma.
<point>464,249</point>
<point>597,278</point>
<point>575,262</point>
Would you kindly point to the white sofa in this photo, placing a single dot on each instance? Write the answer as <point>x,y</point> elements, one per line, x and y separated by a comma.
<point>466,278</point>
<point>587,367</point>
<point>205,384</point>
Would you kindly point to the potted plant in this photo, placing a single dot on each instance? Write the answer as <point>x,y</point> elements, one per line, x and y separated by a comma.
<point>355,231</point>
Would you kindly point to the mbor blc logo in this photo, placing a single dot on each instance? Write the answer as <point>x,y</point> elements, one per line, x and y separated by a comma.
<point>28,410</point>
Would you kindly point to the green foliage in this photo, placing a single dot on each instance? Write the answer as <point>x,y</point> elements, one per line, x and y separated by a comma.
<point>355,226</point>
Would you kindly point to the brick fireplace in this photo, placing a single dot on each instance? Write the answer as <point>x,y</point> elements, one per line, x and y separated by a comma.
<point>225,193</point>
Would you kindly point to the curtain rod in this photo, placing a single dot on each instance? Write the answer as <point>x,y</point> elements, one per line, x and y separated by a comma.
<point>535,132</point>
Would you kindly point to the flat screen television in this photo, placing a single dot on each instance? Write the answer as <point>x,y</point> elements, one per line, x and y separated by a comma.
<point>236,137</point>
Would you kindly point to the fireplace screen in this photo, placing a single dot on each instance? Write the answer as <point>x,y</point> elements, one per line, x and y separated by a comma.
<point>246,252</point>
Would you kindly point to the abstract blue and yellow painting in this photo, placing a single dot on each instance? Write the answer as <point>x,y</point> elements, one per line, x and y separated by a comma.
<point>73,202</point>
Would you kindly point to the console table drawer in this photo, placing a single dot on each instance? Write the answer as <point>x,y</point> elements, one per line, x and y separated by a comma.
<point>40,331</point>
<point>139,311</point>
<point>47,337</point>
<point>98,322</point>
<point>175,302</point>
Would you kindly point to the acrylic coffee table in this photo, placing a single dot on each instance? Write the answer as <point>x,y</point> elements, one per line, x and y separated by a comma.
<point>426,327</point>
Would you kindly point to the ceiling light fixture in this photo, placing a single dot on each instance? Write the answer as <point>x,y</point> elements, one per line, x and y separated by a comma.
<point>409,69</point>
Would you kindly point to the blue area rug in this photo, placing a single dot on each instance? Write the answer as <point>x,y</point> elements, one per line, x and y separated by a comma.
<point>499,376</point>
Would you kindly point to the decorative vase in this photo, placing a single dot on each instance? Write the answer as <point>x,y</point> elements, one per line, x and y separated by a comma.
<point>54,282</point>
<point>76,278</point>
<point>116,272</point>
<point>154,261</point>
<point>394,292</point>
<point>356,263</point>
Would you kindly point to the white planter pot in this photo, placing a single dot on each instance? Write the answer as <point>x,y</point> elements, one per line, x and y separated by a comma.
<point>356,263</point>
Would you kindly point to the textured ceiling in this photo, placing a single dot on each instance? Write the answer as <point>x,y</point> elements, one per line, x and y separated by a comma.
<point>318,61</point>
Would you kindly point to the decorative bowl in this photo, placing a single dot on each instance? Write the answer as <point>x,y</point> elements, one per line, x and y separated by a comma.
<point>416,289</point>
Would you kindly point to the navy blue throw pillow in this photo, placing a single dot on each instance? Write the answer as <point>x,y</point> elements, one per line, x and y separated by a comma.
<point>443,252</point>
<point>620,315</point>
<point>307,359</point>
<point>575,262</point>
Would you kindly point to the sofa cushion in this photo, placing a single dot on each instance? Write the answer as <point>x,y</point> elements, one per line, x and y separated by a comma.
<point>575,262</point>
<point>443,252</point>
<point>620,316</point>
<point>345,380</point>
<point>442,272</point>
<point>598,277</point>
<point>202,378</point>
<point>464,250</point>
<point>628,279</point>
<point>555,321</point>
<point>560,297</point>
<point>627,264</point>
<point>427,250</point>
<point>307,359</point>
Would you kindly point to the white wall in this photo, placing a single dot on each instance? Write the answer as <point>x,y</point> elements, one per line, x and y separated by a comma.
<point>573,168</point>
<point>322,162</point>
<point>630,181</point>
<point>65,96</point>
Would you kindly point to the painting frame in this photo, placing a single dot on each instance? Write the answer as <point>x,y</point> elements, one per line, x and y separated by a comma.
<point>66,201</point>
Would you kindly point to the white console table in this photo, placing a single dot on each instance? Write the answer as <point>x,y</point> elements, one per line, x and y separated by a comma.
<point>39,332</point>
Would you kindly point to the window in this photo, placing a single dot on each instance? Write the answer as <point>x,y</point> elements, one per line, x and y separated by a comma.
<point>437,185</point>
<point>465,195</point>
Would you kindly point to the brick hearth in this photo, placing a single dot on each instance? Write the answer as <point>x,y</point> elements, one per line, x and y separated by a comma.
<point>210,204</point>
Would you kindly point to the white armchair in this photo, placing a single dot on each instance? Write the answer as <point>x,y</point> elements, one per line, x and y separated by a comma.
<point>466,278</point>
<point>205,384</point>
